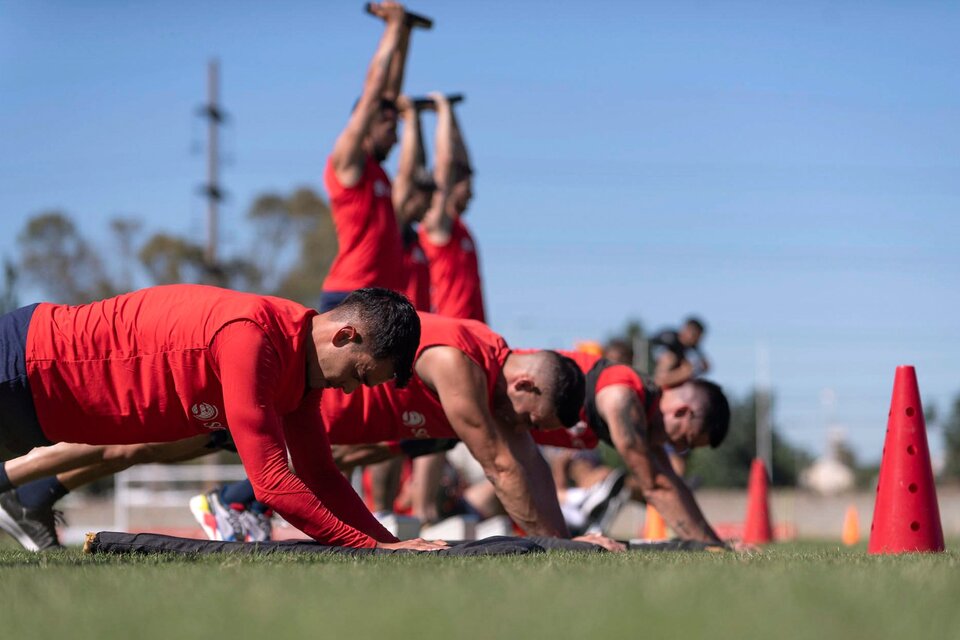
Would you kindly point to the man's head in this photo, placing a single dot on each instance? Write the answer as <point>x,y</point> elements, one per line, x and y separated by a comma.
<point>382,134</point>
<point>462,190</point>
<point>619,351</point>
<point>691,332</point>
<point>421,194</point>
<point>371,337</point>
<point>545,389</point>
<point>695,414</point>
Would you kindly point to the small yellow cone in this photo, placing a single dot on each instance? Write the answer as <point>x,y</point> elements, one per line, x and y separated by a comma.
<point>851,527</point>
<point>654,528</point>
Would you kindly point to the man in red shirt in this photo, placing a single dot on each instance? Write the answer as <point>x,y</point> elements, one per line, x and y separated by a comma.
<point>167,363</point>
<point>370,252</point>
<point>449,246</point>
<point>639,419</point>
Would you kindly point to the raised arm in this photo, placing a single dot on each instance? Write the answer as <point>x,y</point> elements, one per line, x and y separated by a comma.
<point>348,153</point>
<point>672,371</point>
<point>661,487</point>
<point>411,152</point>
<point>509,457</point>
<point>437,220</point>
<point>398,64</point>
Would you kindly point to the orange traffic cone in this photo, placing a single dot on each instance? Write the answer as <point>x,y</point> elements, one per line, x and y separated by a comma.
<point>851,527</point>
<point>654,527</point>
<point>757,529</point>
<point>906,516</point>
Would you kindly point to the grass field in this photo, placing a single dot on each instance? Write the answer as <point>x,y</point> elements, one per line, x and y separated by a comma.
<point>789,591</point>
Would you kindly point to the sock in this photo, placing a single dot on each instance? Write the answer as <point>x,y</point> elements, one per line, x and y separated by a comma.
<point>240,492</point>
<point>258,507</point>
<point>4,480</point>
<point>41,494</point>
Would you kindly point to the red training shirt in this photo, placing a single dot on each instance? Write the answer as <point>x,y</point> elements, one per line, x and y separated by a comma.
<point>171,362</point>
<point>384,413</point>
<point>370,252</point>
<point>417,272</point>
<point>454,274</point>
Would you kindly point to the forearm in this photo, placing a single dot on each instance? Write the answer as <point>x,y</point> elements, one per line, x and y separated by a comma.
<point>674,377</point>
<point>670,497</point>
<point>398,63</point>
<point>379,73</point>
<point>529,496</point>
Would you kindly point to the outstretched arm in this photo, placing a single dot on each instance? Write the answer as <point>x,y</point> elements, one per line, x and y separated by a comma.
<point>348,154</point>
<point>661,487</point>
<point>509,457</point>
<point>411,152</point>
<point>437,220</point>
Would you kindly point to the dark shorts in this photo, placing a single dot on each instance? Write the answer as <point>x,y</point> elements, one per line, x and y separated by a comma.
<point>331,299</point>
<point>19,428</point>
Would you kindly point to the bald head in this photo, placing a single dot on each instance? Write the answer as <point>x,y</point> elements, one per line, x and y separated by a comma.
<point>710,406</point>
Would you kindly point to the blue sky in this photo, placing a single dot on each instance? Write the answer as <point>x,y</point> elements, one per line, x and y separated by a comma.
<point>789,171</point>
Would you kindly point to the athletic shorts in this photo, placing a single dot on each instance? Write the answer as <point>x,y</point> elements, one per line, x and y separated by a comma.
<point>331,299</point>
<point>19,428</point>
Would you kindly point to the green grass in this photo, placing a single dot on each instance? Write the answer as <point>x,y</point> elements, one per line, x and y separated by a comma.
<point>789,591</point>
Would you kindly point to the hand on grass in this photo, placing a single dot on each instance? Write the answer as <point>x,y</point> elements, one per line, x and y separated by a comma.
<point>603,541</point>
<point>417,544</point>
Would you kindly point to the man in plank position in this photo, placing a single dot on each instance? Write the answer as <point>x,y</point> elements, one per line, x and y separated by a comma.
<point>167,363</point>
<point>467,384</point>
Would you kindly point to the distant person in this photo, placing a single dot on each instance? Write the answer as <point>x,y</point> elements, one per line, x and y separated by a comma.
<point>173,362</point>
<point>370,250</point>
<point>677,354</point>
<point>451,250</point>
<point>619,351</point>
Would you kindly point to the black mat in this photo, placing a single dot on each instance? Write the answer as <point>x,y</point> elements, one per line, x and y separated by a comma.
<point>152,543</point>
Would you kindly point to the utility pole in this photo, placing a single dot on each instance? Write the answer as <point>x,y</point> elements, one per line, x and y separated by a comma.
<point>762,408</point>
<point>212,190</point>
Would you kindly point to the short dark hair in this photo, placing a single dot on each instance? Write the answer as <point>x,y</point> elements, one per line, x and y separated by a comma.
<point>696,323</point>
<point>569,387</point>
<point>390,324</point>
<point>423,180</point>
<point>460,171</point>
<point>716,411</point>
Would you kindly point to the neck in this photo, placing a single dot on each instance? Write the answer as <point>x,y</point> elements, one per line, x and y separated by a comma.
<point>315,377</point>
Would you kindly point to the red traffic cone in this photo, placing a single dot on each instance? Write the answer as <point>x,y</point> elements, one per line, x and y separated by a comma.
<point>905,516</point>
<point>757,529</point>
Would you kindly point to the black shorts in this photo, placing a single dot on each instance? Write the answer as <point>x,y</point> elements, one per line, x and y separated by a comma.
<point>19,428</point>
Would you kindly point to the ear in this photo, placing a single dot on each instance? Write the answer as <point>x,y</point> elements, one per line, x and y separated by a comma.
<point>681,410</point>
<point>344,336</point>
<point>525,384</point>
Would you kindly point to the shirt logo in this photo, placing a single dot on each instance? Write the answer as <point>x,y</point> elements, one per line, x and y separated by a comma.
<point>204,411</point>
<point>413,419</point>
<point>381,189</point>
<point>466,245</point>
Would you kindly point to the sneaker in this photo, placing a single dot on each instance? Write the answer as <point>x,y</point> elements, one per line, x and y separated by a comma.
<point>35,529</point>
<point>219,521</point>
<point>256,526</point>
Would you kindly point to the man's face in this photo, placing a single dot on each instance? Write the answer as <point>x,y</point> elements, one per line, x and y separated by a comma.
<point>383,133</point>
<point>416,205</point>
<point>533,408</point>
<point>683,423</point>
<point>353,365</point>
<point>689,336</point>
<point>461,194</point>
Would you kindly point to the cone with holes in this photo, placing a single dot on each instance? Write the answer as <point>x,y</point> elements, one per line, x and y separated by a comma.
<point>654,527</point>
<point>906,517</point>
<point>757,529</point>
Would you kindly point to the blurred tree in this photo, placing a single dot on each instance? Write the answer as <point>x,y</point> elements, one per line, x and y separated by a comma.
<point>59,260</point>
<point>310,229</point>
<point>170,259</point>
<point>729,464</point>
<point>125,231</point>
<point>8,294</point>
<point>951,437</point>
